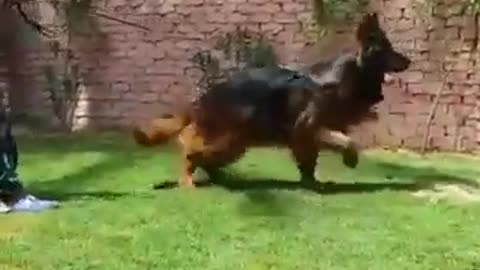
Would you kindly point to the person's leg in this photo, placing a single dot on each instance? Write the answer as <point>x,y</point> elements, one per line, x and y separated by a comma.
<point>13,196</point>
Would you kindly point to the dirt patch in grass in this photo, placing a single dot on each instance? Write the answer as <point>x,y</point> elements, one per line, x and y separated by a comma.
<point>451,193</point>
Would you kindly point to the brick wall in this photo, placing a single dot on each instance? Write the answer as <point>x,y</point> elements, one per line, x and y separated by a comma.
<point>443,52</point>
<point>128,73</point>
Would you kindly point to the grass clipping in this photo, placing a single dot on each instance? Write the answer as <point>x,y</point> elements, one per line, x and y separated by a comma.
<point>451,193</point>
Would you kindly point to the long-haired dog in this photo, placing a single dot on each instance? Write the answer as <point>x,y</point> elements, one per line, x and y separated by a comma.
<point>276,106</point>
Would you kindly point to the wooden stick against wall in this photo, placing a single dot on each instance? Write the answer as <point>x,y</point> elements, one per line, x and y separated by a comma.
<point>431,114</point>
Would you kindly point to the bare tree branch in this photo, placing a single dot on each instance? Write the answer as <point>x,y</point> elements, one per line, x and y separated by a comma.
<point>122,21</point>
<point>37,26</point>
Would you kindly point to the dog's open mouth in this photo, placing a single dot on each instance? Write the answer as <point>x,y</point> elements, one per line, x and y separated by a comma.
<point>388,79</point>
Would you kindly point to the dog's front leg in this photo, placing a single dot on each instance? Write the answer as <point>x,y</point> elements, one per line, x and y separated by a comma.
<point>306,159</point>
<point>305,154</point>
<point>338,139</point>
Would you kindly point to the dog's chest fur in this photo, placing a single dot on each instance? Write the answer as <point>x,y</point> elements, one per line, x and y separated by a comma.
<point>347,94</point>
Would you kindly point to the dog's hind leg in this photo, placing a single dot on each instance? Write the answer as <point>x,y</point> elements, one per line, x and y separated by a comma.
<point>197,152</point>
<point>221,153</point>
<point>339,140</point>
<point>188,168</point>
<point>193,145</point>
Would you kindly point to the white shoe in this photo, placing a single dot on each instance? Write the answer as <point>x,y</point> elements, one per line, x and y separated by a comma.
<point>30,203</point>
<point>4,208</point>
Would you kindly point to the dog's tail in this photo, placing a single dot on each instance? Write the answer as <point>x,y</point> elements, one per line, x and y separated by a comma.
<point>160,130</point>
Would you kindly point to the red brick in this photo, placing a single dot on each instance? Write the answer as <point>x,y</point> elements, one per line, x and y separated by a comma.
<point>456,76</point>
<point>414,142</point>
<point>272,8</point>
<point>444,119</point>
<point>397,108</point>
<point>401,130</point>
<point>413,108</point>
<point>461,46</point>
<point>148,97</point>
<point>470,99</point>
<point>404,24</point>
<point>237,18</point>
<point>418,56</point>
<point>477,139</point>
<point>411,76</point>
<point>455,21</point>
<point>164,68</point>
<point>160,83</point>
<point>120,87</point>
<point>452,33</point>
<point>404,45</point>
<point>455,9</point>
<point>260,17</point>
<point>273,28</point>
<point>395,95</point>
<point>430,66</point>
<point>468,31</point>
<point>436,129</point>
<point>186,44</point>
<point>418,33</point>
<point>192,2</point>
<point>444,143</point>
<point>465,55</point>
<point>216,16</point>
<point>293,8</point>
<point>206,27</point>
<point>391,12</point>
<point>463,110</point>
<point>247,8</point>
<point>166,8</point>
<point>450,98</point>
<point>467,144</point>
<point>284,18</point>
<point>382,136</point>
<point>462,66</point>
<point>184,10</point>
<point>424,98</point>
<point>410,13</point>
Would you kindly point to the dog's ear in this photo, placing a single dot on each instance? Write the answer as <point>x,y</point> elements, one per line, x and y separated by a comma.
<point>374,18</point>
<point>368,24</point>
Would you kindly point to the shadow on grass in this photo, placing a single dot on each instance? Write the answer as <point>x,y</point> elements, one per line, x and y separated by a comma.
<point>79,184</point>
<point>262,200</point>
<point>277,184</point>
<point>120,155</point>
<point>397,178</point>
<point>426,175</point>
<point>59,195</point>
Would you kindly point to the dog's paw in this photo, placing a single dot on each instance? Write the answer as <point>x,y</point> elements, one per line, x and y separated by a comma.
<point>350,157</point>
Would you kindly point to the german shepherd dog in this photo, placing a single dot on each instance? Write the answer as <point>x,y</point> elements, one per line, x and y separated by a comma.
<point>276,106</point>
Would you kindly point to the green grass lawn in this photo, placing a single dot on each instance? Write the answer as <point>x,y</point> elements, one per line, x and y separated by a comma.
<point>112,219</point>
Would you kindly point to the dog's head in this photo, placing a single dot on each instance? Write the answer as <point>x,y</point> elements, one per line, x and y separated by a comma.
<point>376,49</point>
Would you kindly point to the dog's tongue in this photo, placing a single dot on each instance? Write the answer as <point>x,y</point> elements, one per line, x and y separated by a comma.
<point>387,78</point>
